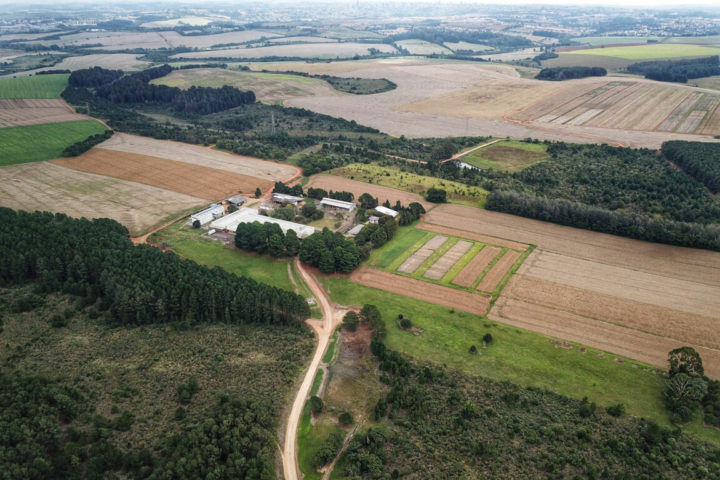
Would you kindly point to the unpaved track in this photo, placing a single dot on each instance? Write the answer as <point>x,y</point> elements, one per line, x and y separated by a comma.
<point>323,329</point>
<point>466,152</point>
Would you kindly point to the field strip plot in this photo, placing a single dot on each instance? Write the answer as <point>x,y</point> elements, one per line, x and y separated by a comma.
<point>429,226</point>
<point>197,155</point>
<point>674,119</point>
<point>417,258</point>
<point>208,183</point>
<point>492,278</point>
<point>421,290</point>
<point>476,267</point>
<point>15,113</point>
<point>444,263</point>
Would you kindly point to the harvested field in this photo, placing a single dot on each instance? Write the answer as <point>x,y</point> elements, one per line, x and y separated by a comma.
<point>48,187</point>
<point>14,113</point>
<point>197,155</point>
<point>423,253</point>
<point>418,289</point>
<point>421,47</point>
<point>331,182</point>
<point>203,182</point>
<point>467,276</point>
<point>457,232</point>
<point>123,61</point>
<point>492,278</point>
<point>443,264</point>
<point>328,50</point>
<point>651,51</point>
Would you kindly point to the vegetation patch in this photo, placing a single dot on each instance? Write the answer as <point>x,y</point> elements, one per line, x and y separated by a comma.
<point>34,86</point>
<point>509,156</point>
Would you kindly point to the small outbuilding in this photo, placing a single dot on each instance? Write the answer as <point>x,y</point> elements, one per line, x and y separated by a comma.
<point>285,199</point>
<point>337,204</point>
<point>211,213</point>
<point>373,219</point>
<point>386,211</point>
<point>355,230</point>
<point>236,200</point>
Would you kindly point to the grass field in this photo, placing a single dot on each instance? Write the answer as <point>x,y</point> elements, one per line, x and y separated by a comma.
<point>473,47</point>
<point>37,86</point>
<point>656,50</point>
<point>394,177</point>
<point>421,47</point>
<point>509,156</point>
<point>42,142</point>
<point>594,41</point>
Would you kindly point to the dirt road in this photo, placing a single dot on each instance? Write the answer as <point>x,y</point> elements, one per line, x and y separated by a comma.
<point>323,329</point>
<point>470,150</point>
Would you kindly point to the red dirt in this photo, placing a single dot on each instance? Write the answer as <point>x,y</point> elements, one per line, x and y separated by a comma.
<point>492,278</point>
<point>477,265</point>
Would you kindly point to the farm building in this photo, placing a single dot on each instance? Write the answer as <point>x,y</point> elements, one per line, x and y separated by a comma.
<point>285,199</point>
<point>267,206</point>
<point>337,204</point>
<point>355,230</point>
<point>373,219</point>
<point>248,215</point>
<point>208,215</point>
<point>386,211</point>
<point>236,200</point>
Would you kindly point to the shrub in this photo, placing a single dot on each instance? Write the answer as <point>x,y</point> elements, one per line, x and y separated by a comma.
<point>26,303</point>
<point>58,321</point>
<point>487,339</point>
<point>316,404</point>
<point>616,410</point>
<point>180,413</point>
<point>406,323</point>
<point>346,418</point>
<point>196,224</point>
<point>350,321</point>
<point>473,349</point>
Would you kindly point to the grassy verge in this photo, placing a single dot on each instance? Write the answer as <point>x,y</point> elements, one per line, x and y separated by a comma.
<point>330,353</point>
<point>36,86</point>
<point>33,143</point>
<point>462,263</point>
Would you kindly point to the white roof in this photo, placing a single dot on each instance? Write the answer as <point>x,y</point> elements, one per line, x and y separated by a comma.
<point>355,230</point>
<point>337,203</point>
<point>386,211</point>
<point>249,215</point>
<point>283,197</point>
<point>208,214</point>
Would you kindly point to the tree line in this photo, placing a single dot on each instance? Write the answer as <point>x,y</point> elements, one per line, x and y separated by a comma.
<point>131,285</point>
<point>83,146</point>
<point>701,160</point>
<point>677,70</point>
<point>569,73</point>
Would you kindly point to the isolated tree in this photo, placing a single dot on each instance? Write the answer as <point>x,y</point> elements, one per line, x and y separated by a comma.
<point>258,192</point>
<point>346,418</point>
<point>196,224</point>
<point>685,360</point>
<point>436,195</point>
<point>316,404</point>
<point>487,339</point>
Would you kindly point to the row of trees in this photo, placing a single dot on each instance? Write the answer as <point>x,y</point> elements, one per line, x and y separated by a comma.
<point>569,73</point>
<point>83,146</point>
<point>697,159</point>
<point>677,70</point>
<point>132,285</point>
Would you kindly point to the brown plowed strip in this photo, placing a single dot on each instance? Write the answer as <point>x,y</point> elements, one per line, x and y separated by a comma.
<point>20,112</point>
<point>428,292</point>
<point>497,272</point>
<point>443,264</point>
<point>332,182</point>
<point>478,237</point>
<point>208,183</point>
<point>416,259</point>
<point>475,267</point>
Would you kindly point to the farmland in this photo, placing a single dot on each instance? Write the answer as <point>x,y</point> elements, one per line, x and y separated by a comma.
<point>395,178</point>
<point>508,156</point>
<point>597,41</point>
<point>332,182</point>
<point>314,50</point>
<point>650,51</point>
<point>123,61</point>
<point>48,187</point>
<point>20,112</point>
<point>42,142</point>
<point>421,47</point>
<point>466,46</point>
<point>38,86</point>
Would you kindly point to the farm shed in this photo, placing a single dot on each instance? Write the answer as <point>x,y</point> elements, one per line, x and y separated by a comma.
<point>355,230</point>
<point>338,204</point>
<point>386,211</point>
<point>267,206</point>
<point>248,215</point>
<point>236,200</point>
<point>208,215</point>
<point>373,219</point>
<point>285,199</point>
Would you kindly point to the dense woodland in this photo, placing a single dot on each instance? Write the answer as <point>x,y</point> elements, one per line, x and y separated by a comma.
<point>330,252</point>
<point>435,422</point>
<point>569,73</point>
<point>131,285</point>
<point>441,35</point>
<point>701,160</point>
<point>677,70</point>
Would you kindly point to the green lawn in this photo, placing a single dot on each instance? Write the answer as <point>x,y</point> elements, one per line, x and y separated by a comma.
<point>509,155</point>
<point>594,41</point>
<point>43,142</point>
<point>36,86</point>
<point>520,356</point>
<point>650,51</point>
<point>406,241</point>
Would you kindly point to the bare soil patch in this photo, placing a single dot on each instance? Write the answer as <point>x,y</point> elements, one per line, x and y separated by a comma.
<point>203,182</point>
<point>331,182</point>
<point>48,187</point>
<point>476,266</point>
<point>492,278</point>
<point>443,264</point>
<point>450,297</point>
<point>428,225</point>
<point>423,253</point>
<point>14,113</point>
<point>203,156</point>
<point>511,156</point>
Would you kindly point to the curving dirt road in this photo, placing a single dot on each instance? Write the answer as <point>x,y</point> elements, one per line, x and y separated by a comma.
<point>323,328</point>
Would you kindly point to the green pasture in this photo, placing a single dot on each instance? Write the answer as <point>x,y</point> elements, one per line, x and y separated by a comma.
<point>650,51</point>
<point>33,143</point>
<point>596,41</point>
<point>509,156</point>
<point>35,86</point>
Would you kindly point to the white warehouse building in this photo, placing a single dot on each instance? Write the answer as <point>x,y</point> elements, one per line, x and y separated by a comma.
<point>386,211</point>
<point>249,215</point>
<point>208,215</point>
<point>339,204</point>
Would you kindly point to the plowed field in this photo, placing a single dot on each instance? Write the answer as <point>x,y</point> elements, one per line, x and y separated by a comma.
<point>477,265</point>
<point>208,183</point>
<point>423,253</point>
<point>14,113</point>
<point>492,278</point>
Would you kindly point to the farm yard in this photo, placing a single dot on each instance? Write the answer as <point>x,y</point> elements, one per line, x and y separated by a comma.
<point>328,50</point>
<point>15,113</point>
<point>49,187</point>
<point>339,184</point>
<point>42,142</point>
<point>624,296</point>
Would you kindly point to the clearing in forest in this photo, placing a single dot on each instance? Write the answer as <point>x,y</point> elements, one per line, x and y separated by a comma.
<point>508,156</point>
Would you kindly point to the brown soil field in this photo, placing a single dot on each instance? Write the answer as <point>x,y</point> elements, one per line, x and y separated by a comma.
<point>450,297</point>
<point>48,187</point>
<point>476,266</point>
<point>513,156</point>
<point>15,113</point>
<point>465,233</point>
<point>422,254</point>
<point>328,50</point>
<point>197,155</point>
<point>492,278</point>
<point>123,61</point>
<point>443,264</point>
<point>331,182</point>
<point>203,182</point>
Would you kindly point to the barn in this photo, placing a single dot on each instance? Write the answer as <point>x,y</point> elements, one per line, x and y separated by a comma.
<point>285,199</point>
<point>248,215</point>
<point>386,211</point>
<point>337,204</point>
<point>208,215</point>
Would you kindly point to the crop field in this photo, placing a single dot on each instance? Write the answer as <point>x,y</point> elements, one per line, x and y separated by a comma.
<point>508,156</point>
<point>578,58</point>
<point>48,187</point>
<point>37,86</point>
<point>473,47</point>
<point>337,184</point>
<point>421,47</point>
<point>315,50</point>
<point>412,182</point>
<point>176,22</point>
<point>123,61</point>
<point>43,142</point>
<point>624,296</point>
<point>299,39</point>
<point>201,156</point>
<point>701,40</point>
<point>630,106</point>
<point>650,51</point>
<point>597,41</point>
<point>203,182</point>
<point>268,87</point>
<point>15,113</point>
